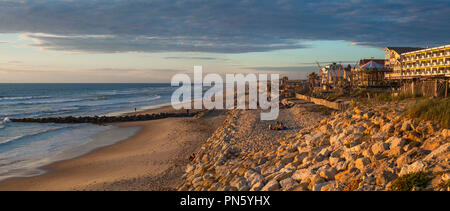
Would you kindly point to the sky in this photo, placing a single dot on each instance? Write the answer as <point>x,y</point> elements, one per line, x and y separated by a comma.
<point>124,41</point>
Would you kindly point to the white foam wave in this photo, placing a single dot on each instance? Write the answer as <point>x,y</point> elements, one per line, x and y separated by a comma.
<point>23,97</point>
<point>30,135</point>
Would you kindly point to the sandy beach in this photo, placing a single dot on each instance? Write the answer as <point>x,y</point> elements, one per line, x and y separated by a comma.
<point>153,159</point>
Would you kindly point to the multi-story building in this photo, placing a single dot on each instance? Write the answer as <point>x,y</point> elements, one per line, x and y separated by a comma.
<point>394,60</point>
<point>427,62</point>
<point>420,71</point>
<point>411,62</point>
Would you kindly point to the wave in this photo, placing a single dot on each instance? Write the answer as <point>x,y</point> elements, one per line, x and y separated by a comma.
<point>40,113</point>
<point>21,137</point>
<point>44,102</point>
<point>77,107</point>
<point>60,101</point>
<point>119,101</point>
<point>2,123</point>
<point>149,90</point>
<point>23,97</point>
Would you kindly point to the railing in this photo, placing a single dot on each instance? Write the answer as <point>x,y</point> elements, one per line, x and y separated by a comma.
<point>342,106</point>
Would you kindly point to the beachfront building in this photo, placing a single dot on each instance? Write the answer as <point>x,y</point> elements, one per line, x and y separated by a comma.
<point>370,73</point>
<point>426,62</point>
<point>333,75</point>
<point>413,62</point>
<point>394,60</point>
<point>425,71</point>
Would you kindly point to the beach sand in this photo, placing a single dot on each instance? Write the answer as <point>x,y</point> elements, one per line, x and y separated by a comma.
<point>153,159</point>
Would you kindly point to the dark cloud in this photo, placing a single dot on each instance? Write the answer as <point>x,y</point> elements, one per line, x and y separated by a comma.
<point>224,26</point>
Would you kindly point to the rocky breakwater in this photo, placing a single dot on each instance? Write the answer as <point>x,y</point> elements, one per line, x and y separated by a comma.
<point>364,148</point>
<point>103,119</point>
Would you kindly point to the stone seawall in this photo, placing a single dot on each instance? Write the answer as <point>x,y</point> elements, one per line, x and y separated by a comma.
<point>363,148</point>
<point>103,119</point>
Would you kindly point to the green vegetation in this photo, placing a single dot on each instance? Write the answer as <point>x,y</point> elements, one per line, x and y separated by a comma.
<point>379,96</point>
<point>409,182</point>
<point>387,96</point>
<point>312,78</point>
<point>320,109</point>
<point>444,185</point>
<point>437,110</point>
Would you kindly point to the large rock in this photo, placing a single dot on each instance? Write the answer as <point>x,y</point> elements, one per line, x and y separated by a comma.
<point>189,168</point>
<point>352,139</point>
<point>329,186</point>
<point>414,167</point>
<point>288,184</point>
<point>302,174</point>
<point>379,147</point>
<point>334,160</point>
<point>357,110</point>
<point>315,180</point>
<point>446,133</point>
<point>388,128</point>
<point>406,125</point>
<point>396,145</point>
<point>383,178</point>
<point>313,138</point>
<point>197,182</point>
<point>440,151</point>
<point>270,169</point>
<point>337,139</point>
<point>253,177</point>
<point>361,163</point>
<point>341,165</point>
<point>380,136</point>
<point>271,186</point>
<point>327,172</point>
<point>240,183</point>
<point>257,186</point>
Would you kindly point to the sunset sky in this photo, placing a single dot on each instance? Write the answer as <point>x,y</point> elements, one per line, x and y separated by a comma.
<point>150,41</point>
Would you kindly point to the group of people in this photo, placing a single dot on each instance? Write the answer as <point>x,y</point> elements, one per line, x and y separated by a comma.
<point>278,126</point>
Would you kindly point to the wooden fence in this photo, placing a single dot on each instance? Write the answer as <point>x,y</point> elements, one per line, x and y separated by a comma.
<point>341,106</point>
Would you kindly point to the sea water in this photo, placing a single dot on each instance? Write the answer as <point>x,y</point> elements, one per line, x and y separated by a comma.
<point>24,147</point>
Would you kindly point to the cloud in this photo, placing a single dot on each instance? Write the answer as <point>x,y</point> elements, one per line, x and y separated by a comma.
<point>328,62</point>
<point>284,69</point>
<point>219,26</point>
<point>194,58</point>
<point>290,71</point>
<point>107,75</point>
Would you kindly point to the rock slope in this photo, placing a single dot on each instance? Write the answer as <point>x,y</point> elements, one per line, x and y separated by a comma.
<point>364,148</point>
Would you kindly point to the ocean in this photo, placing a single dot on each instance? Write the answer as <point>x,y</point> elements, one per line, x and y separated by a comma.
<point>24,147</point>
